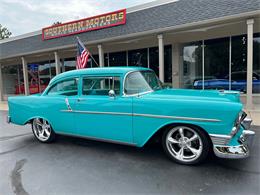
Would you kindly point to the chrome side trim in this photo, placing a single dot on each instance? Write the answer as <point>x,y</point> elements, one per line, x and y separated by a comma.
<point>144,115</point>
<point>97,112</point>
<point>176,117</point>
<point>218,139</point>
<point>98,139</point>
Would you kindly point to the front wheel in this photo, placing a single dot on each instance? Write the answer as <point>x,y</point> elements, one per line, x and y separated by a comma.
<point>185,145</point>
<point>42,130</point>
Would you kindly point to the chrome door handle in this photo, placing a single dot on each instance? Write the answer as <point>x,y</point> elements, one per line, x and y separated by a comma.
<point>81,99</point>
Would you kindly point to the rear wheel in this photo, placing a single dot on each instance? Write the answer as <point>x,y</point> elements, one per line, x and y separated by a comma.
<point>42,130</point>
<point>185,145</point>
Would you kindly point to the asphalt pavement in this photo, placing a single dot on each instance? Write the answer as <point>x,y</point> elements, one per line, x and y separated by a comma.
<point>80,166</point>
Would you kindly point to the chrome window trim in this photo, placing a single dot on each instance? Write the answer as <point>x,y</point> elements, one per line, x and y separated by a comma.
<point>49,87</point>
<point>102,76</point>
<point>136,94</point>
<point>145,115</point>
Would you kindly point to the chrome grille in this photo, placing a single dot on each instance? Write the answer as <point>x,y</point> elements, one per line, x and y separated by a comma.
<point>220,139</point>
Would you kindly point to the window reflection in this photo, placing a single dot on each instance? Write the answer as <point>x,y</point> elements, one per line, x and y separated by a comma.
<point>239,63</point>
<point>138,57</point>
<point>216,64</point>
<point>117,59</point>
<point>256,63</point>
<point>192,65</point>
<point>12,80</point>
<point>168,64</point>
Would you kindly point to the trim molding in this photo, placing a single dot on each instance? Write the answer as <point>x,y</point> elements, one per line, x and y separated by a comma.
<point>145,115</point>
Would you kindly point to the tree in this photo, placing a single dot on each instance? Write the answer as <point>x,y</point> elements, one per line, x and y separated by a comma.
<point>56,23</point>
<point>4,32</point>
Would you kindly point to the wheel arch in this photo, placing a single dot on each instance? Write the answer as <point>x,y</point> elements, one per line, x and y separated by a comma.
<point>30,120</point>
<point>156,136</point>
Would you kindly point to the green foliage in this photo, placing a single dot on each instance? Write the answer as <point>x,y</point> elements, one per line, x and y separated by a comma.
<point>4,32</point>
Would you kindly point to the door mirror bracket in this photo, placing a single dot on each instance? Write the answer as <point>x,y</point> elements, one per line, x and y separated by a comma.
<point>112,93</point>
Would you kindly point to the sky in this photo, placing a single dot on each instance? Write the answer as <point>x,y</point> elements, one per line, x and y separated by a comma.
<point>24,16</point>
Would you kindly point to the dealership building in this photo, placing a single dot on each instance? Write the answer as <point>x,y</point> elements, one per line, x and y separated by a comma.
<point>194,44</point>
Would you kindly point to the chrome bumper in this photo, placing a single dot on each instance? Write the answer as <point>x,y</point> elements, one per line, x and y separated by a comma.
<point>239,151</point>
<point>246,123</point>
<point>8,119</point>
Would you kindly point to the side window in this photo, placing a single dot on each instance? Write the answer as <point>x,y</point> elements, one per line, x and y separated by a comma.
<point>66,88</point>
<point>100,85</point>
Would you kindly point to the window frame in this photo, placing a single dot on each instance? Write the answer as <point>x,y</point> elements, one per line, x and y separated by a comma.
<point>135,94</point>
<point>100,76</point>
<point>46,93</point>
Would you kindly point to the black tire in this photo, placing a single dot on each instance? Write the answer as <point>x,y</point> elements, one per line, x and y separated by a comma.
<point>199,153</point>
<point>43,131</point>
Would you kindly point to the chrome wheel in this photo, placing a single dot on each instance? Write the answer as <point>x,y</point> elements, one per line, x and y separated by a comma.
<point>184,144</point>
<point>41,129</point>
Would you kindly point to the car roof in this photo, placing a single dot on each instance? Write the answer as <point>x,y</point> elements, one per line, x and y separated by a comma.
<point>96,71</point>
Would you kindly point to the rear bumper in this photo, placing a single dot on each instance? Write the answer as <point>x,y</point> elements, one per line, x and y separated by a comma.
<point>238,151</point>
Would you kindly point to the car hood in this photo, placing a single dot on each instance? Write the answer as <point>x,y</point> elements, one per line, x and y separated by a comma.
<point>207,95</point>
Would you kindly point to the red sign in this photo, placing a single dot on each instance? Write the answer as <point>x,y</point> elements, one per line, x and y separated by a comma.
<point>88,24</point>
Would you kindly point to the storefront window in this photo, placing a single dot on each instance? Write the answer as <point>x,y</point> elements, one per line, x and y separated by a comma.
<point>106,59</point>
<point>95,61</point>
<point>239,63</point>
<point>216,64</point>
<point>138,57</point>
<point>39,75</point>
<point>192,66</point>
<point>154,62</point>
<point>256,63</point>
<point>12,80</point>
<point>69,64</point>
<point>168,64</point>
<point>117,59</point>
<point>154,59</point>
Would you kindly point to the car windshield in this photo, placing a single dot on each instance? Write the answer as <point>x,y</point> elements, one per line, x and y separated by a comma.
<point>141,81</point>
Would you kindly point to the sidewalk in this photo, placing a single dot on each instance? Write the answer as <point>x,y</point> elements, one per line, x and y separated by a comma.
<point>254,114</point>
<point>3,106</point>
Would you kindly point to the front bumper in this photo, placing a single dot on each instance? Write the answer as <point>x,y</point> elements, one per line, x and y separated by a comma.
<point>222,150</point>
<point>239,151</point>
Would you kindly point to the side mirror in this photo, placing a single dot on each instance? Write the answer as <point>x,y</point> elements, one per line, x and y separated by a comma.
<point>112,93</point>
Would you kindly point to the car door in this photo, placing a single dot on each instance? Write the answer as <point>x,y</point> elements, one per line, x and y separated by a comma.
<point>100,116</point>
<point>58,103</point>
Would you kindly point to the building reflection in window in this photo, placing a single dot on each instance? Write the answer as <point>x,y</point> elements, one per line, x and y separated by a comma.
<point>216,66</point>
<point>117,59</point>
<point>256,63</point>
<point>12,80</point>
<point>138,57</point>
<point>218,74</point>
<point>192,65</point>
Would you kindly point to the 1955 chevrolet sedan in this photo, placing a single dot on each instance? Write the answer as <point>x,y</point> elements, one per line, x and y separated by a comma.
<point>128,105</point>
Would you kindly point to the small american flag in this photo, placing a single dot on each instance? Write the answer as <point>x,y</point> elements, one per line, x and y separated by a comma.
<point>82,55</point>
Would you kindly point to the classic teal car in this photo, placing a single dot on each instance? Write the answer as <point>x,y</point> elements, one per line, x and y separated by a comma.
<point>128,105</point>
